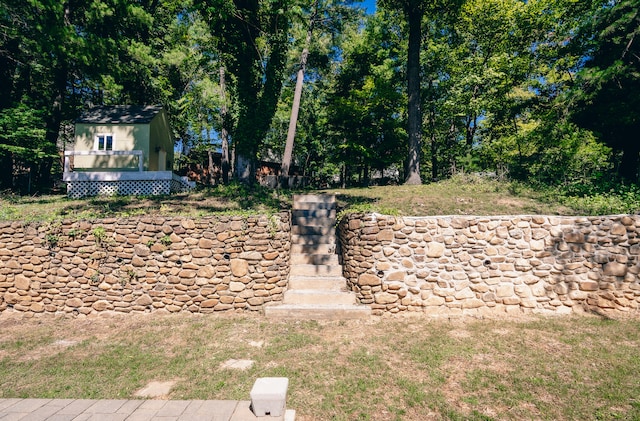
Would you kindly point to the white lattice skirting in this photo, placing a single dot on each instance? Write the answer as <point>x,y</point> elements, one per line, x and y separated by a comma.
<point>79,189</point>
<point>93,185</point>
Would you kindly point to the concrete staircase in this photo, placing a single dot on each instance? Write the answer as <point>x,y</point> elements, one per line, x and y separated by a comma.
<point>317,289</point>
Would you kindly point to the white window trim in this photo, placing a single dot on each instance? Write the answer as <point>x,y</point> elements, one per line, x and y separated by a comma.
<point>96,142</point>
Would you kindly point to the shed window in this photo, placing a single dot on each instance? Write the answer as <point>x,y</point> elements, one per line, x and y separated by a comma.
<point>104,142</point>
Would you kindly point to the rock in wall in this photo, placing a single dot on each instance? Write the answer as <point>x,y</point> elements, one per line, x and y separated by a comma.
<point>488,265</point>
<point>145,264</point>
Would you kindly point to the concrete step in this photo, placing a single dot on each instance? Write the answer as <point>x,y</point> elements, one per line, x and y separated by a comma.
<point>308,206</point>
<point>315,270</point>
<point>317,312</point>
<point>317,289</point>
<point>318,296</point>
<point>312,230</point>
<point>313,198</point>
<point>314,259</point>
<point>313,249</point>
<point>317,221</point>
<point>313,239</point>
<point>318,283</point>
<point>313,213</point>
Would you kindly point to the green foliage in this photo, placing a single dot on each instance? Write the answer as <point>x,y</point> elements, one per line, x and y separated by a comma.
<point>364,102</point>
<point>99,235</point>
<point>606,95</point>
<point>619,199</point>
<point>75,232</point>
<point>22,134</point>
<point>527,89</point>
<point>52,240</point>
<point>166,241</point>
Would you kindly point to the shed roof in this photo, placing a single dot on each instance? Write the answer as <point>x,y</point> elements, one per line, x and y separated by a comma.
<point>120,114</point>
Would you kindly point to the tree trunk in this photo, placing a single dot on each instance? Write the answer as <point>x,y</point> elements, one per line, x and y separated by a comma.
<point>293,121</point>
<point>297,97</point>
<point>258,82</point>
<point>212,180</point>
<point>224,134</point>
<point>54,121</point>
<point>414,12</point>
<point>433,140</point>
<point>434,157</point>
<point>365,176</point>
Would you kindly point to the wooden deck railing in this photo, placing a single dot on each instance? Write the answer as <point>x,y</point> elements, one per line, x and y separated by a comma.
<point>68,154</point>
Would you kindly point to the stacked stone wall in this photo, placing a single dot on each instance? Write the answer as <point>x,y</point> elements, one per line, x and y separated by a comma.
<point>144,264</point>
<point>488,265</point>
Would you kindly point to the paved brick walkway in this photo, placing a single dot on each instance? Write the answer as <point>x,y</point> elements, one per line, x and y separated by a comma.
<point>130,410</point>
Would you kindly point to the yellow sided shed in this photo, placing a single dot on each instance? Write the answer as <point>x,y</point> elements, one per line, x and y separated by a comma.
<point>107,133</point>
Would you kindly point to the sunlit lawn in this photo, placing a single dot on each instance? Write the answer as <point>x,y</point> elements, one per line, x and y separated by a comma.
<point>458,196</point>
<point>580,367</point>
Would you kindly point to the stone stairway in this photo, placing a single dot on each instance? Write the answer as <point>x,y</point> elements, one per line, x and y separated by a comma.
<point>317,289</point>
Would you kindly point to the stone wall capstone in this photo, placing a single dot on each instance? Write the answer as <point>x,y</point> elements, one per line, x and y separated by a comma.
<point>486,265</point>
<point>144,264</point>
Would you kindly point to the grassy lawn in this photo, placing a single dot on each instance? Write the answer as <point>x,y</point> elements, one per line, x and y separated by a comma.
<point>390,368</point>
<point>457,196</point>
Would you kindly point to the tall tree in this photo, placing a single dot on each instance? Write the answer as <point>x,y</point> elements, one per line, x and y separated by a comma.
<point>42,50</point>
<point>297,96</point>
<point>328,18</point>
<point>254,46</point>
<point>414,11</point>
<point>606,96</point>
<point>366,103</point>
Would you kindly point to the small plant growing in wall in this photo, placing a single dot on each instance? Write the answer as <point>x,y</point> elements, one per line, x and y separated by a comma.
<point>99,234</point>
<point>128,277</point>
<point>95,278</point>
<point>75,232</point>
<point>52,240</point>
<point>52,237</point>
<point>166,240</point>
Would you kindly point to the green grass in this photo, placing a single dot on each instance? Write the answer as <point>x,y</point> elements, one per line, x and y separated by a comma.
<point>387,368</point>
<point>235,199</point>
<point>460,195</point>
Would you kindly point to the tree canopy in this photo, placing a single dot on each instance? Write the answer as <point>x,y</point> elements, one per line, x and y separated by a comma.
<point>546,91</point>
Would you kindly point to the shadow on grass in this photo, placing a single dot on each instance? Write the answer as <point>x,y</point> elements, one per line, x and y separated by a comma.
<point>252,196</point>
<point>233,198</point>
<point>207,200</point>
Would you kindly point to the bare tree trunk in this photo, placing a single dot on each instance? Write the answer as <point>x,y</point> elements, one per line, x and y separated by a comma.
<point>414,12</point>
<point>210,170</point>
<point>297,97</point>
<point>224,134</point>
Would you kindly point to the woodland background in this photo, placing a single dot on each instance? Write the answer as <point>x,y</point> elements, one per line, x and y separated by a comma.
<point>542,91</point>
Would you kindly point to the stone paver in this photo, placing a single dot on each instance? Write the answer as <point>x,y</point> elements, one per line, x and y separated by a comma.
<point>130,410</point>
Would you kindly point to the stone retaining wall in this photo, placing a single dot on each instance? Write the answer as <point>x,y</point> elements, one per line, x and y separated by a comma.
<point>144,264</point>
<point>488,265</point>
<point>435,265</point>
